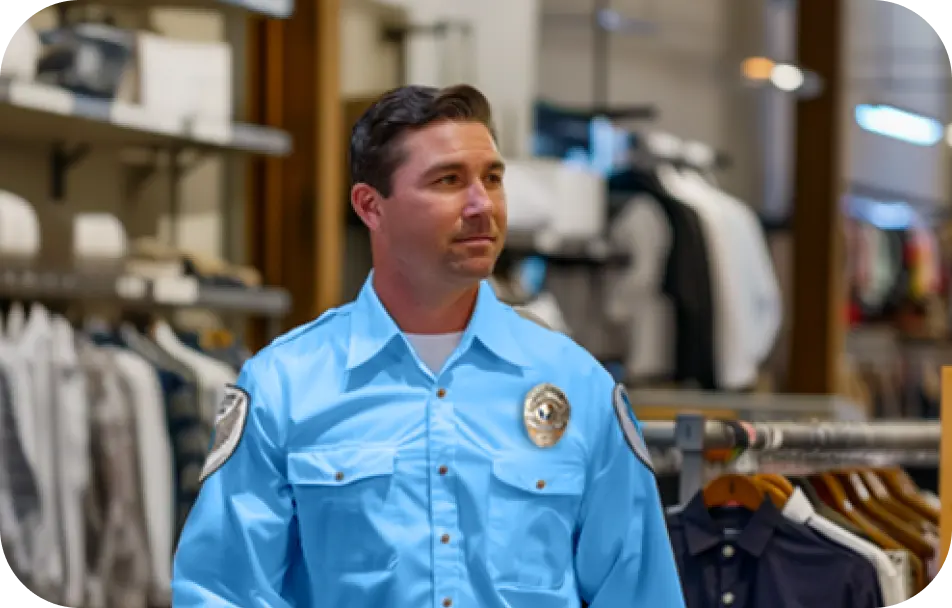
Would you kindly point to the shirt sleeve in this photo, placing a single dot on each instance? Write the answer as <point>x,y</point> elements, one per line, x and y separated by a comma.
<point>623,554</point>
<point>239,544</point>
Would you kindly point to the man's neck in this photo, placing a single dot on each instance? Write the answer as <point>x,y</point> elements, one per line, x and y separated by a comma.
<point>418,309</point>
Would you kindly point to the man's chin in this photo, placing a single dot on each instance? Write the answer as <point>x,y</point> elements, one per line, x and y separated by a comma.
<point>475,269</point>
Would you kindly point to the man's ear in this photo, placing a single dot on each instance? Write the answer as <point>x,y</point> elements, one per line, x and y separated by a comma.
<point>365,201</point>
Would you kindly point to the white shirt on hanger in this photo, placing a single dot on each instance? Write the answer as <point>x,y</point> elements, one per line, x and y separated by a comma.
<point>154,445</point>
<point>891,580</point>
<point>761,296</point>
<point>212,374</point>
<point>72,417</point>
<point>33,341</point>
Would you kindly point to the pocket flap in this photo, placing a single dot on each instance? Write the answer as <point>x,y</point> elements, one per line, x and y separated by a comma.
<point>340,466</point>
<point>541,476</point>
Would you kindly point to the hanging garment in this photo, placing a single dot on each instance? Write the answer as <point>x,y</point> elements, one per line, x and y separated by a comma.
<point>761,297</point>
<point>734,368</point>
<point>893,582</point>
<point>20,515</point>
<point>31,336</point>
<point>750,559</point>
<point>213,375</point>
<point>120,564</point>
<point>140,384</point>
<point>190,435</point>
<point>72,425</point>
<point>687,282</point>
<point>636,299</point>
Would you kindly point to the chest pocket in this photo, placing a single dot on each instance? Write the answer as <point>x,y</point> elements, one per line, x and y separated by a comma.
<point>343,499</point>
<point>533,507</point>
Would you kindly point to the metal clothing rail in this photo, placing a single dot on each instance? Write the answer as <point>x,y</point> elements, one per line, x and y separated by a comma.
<point>692,435</point>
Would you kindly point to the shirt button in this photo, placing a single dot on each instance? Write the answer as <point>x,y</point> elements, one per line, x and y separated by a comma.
<point>540,484</point>
<point>441,393</point>
<point>445,539</point>
<point>728,551</point>
<point>727,598</point>
<point>443,470</point>
<point>447,602</point>
<point>339,476</point>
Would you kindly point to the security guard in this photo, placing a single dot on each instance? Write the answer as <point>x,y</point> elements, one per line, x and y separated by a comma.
<point>426,445</point>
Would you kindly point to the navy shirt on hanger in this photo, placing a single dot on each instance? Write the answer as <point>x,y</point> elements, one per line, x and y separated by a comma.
<point>736,558</point>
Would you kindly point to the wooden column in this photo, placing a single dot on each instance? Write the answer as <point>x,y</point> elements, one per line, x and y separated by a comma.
<point>818,316</point>
<point>945,464</point>
<point>295,211</point>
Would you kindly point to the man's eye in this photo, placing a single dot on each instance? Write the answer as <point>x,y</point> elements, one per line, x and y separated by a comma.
<point>494,178</point>
<point>448,180</point>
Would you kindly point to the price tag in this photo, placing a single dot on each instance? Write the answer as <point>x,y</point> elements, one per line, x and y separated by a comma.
<point>131,287</point>
<point>175,290</point>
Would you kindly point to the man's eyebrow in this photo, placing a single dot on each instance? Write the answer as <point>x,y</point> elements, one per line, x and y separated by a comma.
<point>496,165</point>
<point>445,168</point>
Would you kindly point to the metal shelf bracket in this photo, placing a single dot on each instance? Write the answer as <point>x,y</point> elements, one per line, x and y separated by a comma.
<point>62,159</point>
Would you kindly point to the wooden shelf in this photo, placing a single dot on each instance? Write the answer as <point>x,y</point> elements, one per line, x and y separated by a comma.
<point>278,9</point>
<point>32,112</point>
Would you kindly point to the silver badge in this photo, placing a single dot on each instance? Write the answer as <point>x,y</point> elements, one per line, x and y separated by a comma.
<point>546,413</point>
<point>229,427</point>
<point>625,416</point>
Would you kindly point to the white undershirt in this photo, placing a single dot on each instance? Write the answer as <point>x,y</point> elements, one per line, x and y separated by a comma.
<point>434,349</point>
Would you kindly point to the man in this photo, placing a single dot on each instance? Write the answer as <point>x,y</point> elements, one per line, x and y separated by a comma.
<point>425,445</point>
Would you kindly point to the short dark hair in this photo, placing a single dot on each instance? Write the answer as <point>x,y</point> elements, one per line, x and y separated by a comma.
<point>375,152</point>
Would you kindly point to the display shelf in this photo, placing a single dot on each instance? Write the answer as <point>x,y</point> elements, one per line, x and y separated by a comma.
<point>136,292</point>
<point>33,112</point>
<point>278,9</point>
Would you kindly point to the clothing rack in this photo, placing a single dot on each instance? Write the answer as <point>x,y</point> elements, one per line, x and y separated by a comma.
<point>694,434</point>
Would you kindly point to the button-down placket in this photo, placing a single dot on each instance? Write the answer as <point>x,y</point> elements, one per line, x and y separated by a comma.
<point>445,534</point>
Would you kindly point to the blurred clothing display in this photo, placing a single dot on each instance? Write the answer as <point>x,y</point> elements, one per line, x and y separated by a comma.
<point>701,298</point>
<point>104,429</point>
<point>150,257</point>
<point>853,537</point>
<point>894,273</point>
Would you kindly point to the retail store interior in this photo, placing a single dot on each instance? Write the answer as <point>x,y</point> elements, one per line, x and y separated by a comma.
<point>685,181</point>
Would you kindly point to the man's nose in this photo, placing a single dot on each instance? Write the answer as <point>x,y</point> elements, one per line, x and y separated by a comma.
<point>478,201</point>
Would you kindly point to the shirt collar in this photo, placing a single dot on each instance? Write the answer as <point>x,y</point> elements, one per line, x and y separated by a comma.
<point>798,507</point>
<point>372,328</point>
<point>703,533</point>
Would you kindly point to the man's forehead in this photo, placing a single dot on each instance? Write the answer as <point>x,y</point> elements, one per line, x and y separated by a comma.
<point>458,139</point>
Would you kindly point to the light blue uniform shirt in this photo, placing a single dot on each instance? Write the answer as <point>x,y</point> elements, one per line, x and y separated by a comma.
<point>362,480</point>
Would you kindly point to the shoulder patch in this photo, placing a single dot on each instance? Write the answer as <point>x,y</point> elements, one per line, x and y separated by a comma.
<point>623,412</point>
<point>230,420</point>
<point>525,313</point>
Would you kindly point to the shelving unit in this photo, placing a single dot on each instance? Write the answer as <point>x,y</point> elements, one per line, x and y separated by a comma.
<point>275,9</point>
<point>69,125</point>
<point>33,112</point>
<point>134,291</point>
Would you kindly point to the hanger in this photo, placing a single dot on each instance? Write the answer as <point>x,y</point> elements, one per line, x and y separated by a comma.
<point>778,481</point>
<point>775,494</point>
<point>740,490</point>
<point>734,490</point>
<point>893,504</point>
<point>900,530</point>
<point>903,488</point>
<point>832,492</point>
